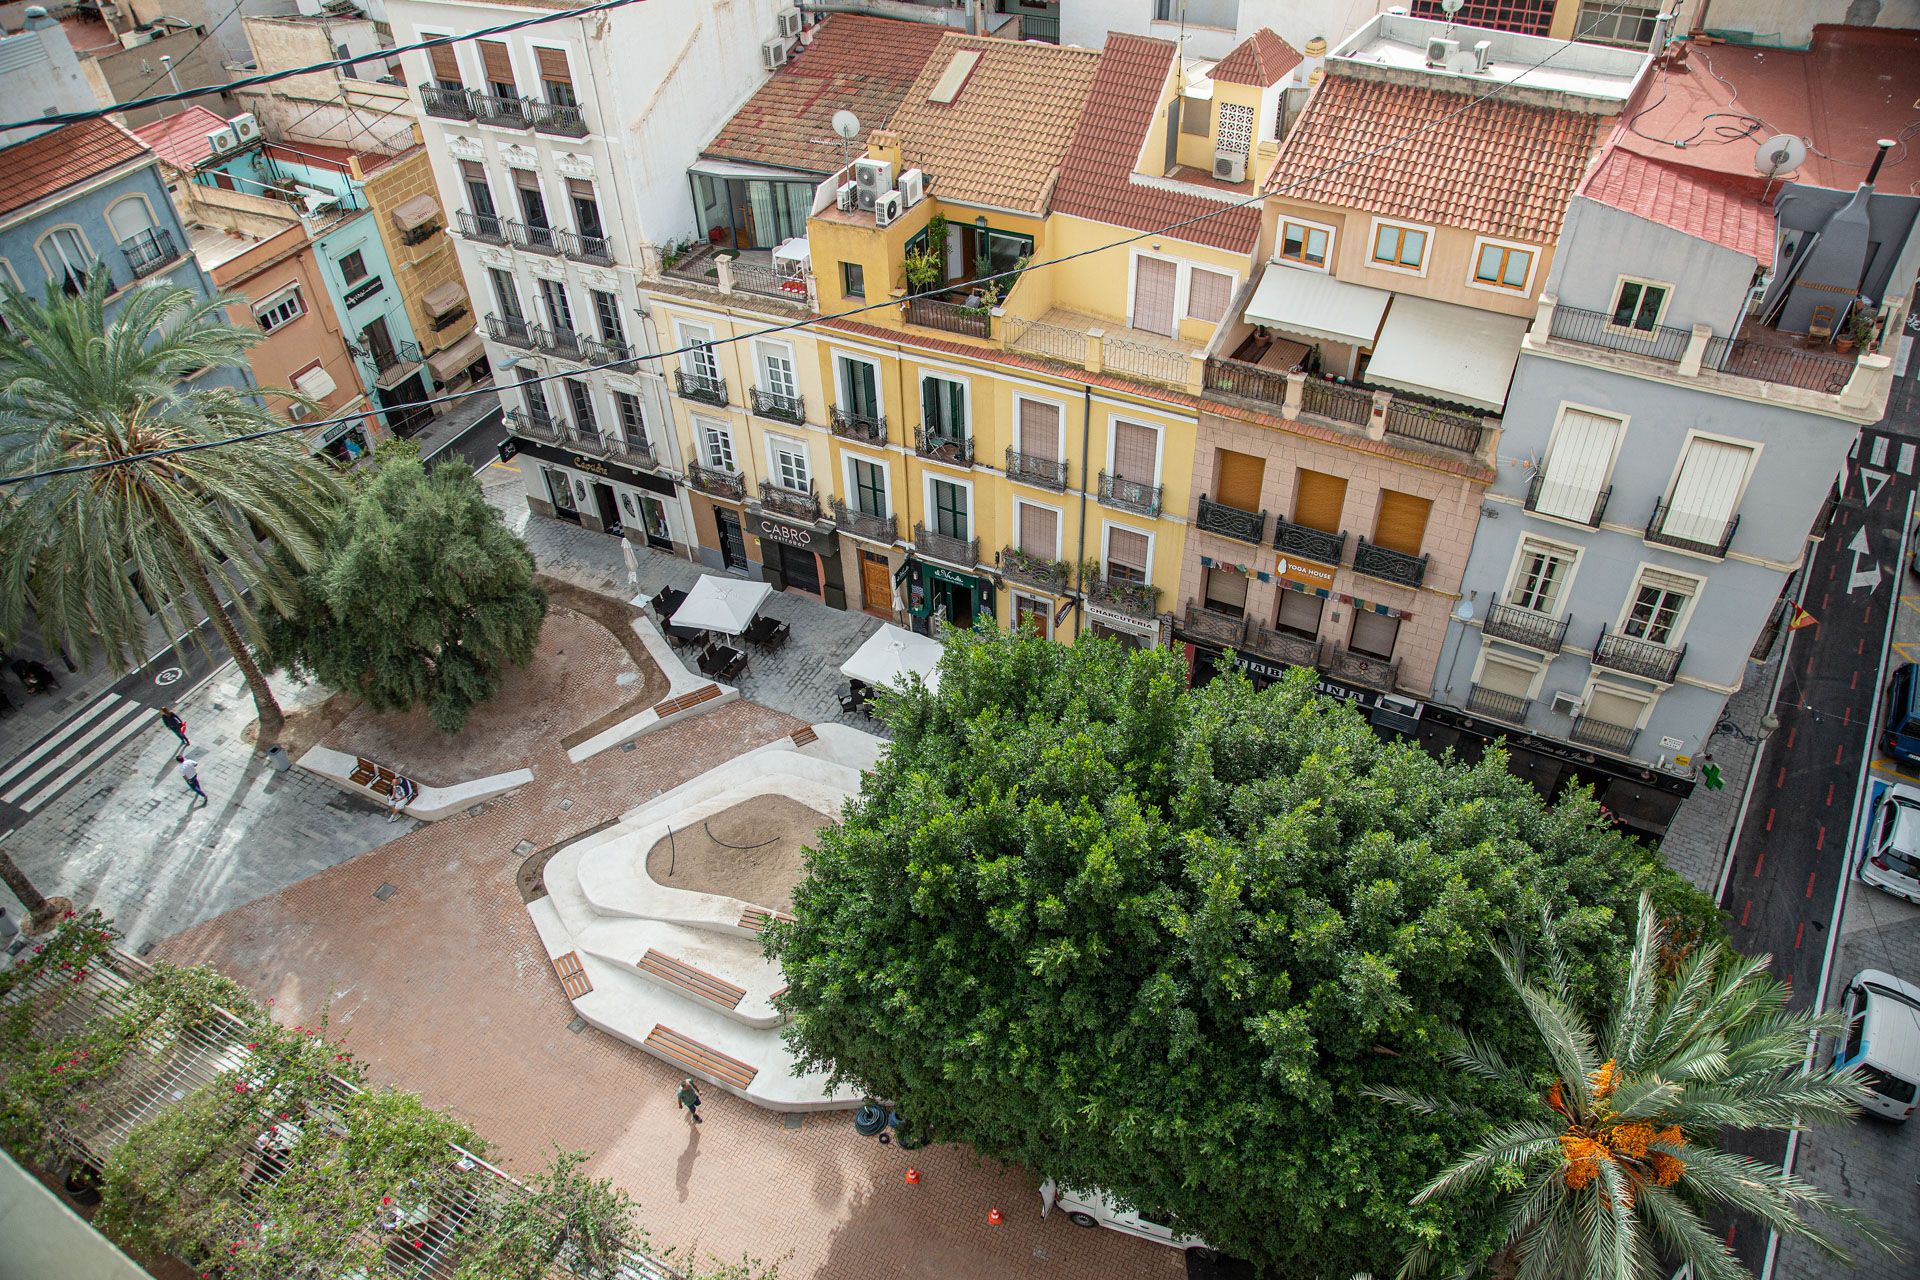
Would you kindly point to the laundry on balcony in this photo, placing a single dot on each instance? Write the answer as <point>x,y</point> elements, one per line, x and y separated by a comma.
<point>1313,305</point>
<point>1449,352</point>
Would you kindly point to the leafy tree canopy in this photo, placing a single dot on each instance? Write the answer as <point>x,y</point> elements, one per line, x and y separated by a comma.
<point>1162,941</point>
<point>421,598</point>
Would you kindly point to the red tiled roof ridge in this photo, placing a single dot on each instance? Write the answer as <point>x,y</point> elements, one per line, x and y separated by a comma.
<point>1722,209</point>
<point>1262,59</point>
<point>50,162</point>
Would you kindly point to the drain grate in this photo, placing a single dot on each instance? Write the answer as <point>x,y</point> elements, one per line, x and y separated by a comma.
<point>524,848</point>
<point>384,892</point>
<point>628,746</point>
<point>791,1120</point>
<point>146,948</point>
<point>565,805</point>
<point>577,1025</point>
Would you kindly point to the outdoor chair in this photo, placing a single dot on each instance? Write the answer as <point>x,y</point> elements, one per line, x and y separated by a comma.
<point>767,633</point>
<point>684,635</point>
<point>666,601</point>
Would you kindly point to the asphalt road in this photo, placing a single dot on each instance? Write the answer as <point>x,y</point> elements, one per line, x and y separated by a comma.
<point>479,444</point>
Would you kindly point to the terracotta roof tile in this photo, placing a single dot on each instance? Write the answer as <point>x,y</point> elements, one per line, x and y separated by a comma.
<point>181,138</point>
<point>1000,141</point>
<point>1263,59</point>
<point>856,63</point>
<point>1703,204</point>
<point>59,158</point>
<point>1498,167</point>
<point>1096,177</point>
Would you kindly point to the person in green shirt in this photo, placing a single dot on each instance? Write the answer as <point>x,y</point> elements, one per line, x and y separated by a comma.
<point>689,1097</point>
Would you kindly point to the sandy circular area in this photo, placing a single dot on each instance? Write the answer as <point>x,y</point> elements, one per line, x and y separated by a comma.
<point>704,857</point>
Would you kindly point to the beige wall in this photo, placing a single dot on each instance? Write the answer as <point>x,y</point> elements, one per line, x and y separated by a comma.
<point>135,73</point>
<point>418,268</point>
<point>268,267</point>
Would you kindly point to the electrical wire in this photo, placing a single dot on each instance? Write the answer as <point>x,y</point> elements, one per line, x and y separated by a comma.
<point>181,61</point>
<point>1256,198</point>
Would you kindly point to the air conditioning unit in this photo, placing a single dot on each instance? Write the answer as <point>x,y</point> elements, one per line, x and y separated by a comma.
<point>1229,166</point>
<point>1440,52</point>
<point>875,178</point>
<point>848,195</point>
<point>223,140</point>
<point>913,187</point>
<point>246,127</point>
<point>138,36</point>
<point>789,20</point>
<point>887,208</point>
<point>773,54</point>
<point>297,411</point>
<point>1566,704</point>
<point>317,383</point>
<point>1482,55</point>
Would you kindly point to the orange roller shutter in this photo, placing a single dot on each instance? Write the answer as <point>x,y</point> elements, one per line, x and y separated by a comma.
<point>1236,479</point>
<point>445,66</point>
<point>1402,523</point>
<point>1318,499</point>
<point>1040,430</point>
<point>553,65</point>
<point>493,58</point>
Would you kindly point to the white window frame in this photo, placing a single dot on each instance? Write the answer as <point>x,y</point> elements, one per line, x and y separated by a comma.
<point>274,302</point>
<point>925,376</point>
<point>1059,523</point>
<point>1019,439</point>
<point>1280,239</point>
<point>1681,621</point>
<point>1106,544</point>
<point>57,266</point>
<point>1509,658</point>
<point>926,497</point>
<point>779,444</point>
<point>1159,444</point>
<point>762,348</point>
<point>1659,316</point>
<point>1045,609</point>
<point>1179,307</point>
<point>1571,552</point>
<point>689,333</point>
<point>1525,288</point>
<point>153,222</point>
<point>1645,697</point>
<point>704,427</point>
<point>1753,448</point>
<point>1426,251</point>
<point>1553,439</point>
<point>847,458</point>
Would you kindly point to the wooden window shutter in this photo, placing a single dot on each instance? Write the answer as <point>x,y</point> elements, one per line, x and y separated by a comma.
<point>1402,523</point>
<point>1318,499</point>
<point>1134,447</point>
<point>445,65</point>
<point>494,60</point>
<point>580,190</point>
<point>1040,430</point>
<point>1208,293</point>
<point>1125,547</point>
<point>1236,479</point>
<point>553,65</point>
<point>1039,531</point>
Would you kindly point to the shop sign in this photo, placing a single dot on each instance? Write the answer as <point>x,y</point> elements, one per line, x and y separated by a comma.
<point>1261,667</point>
<point>1060,614</point>
<point>1122,622</point>
<point>1304,572</point>
<point>940,573</point>
<point>1366,698</point>
<point>592,466</point>
<point>798,536</point>
<point>365,289</point>
<point>625,475</point>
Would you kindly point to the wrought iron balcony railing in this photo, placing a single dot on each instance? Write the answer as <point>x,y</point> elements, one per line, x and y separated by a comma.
<point>150,250</point>
<point>607,351</point>
<point>1527,627</point>
<point>932,313</point>
<point>584,248</point>
<point>1565,502</point>
<point>715,483</point>
<point>700,386</point>
<point>1308,544</point>
<point>1129,495</point>
<point>1231,522</point>
<point>533,426</point>
<point>508,113</point>
<point>1032,570</point>
<point>861,427</point>
<point>1361,668</point>
<point>638,453</point>
<point>1598,733</point>
<point>957,450</point>
<point>1706,541</point>
<point>534,239</point>
<point>1388,566</point>
<point>1501,706</point>
<point>1643,658</point>
<point>487,227</point>
<point>778,406</point>
<point>556,341</point>
<point>865,524</point>
<point>514,331</point>
<point>559,117</point>
<point>1139,599</point>
<point>801,504</point>
<point>446,104</point>
<point>1034,469</point>
<point>1220,629</point>
<point>945,546</point>
<point>1282,646</point>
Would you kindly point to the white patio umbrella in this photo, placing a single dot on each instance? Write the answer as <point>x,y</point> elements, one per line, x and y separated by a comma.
<point>891,654</point>
<point>726,605</point>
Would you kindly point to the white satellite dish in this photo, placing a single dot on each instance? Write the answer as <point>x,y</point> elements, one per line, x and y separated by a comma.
<point>1782,153</point>
<point>1451,7</point>
<point>846,124</point>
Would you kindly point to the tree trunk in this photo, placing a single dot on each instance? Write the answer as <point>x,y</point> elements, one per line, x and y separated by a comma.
<point>272,719</point>
<point>40,912</point>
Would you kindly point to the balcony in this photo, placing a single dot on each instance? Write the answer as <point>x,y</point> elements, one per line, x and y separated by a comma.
<point>1643,658</point>
<point>862,428</point>
<point>1597,329</point>
<point>1066,336</point>
<point>446,104</point>
<point>564,343</point>
<point>954,450</point>
<point>508,113</point>
<point>1500,706</point>
<point>561,118</point>
<point>512,331</point>
<point>1036,470</point>
<point>1129,495</point>
<point>1138,599</point>
<point>1687,537</point>
<point>1309,544</point>
<point>715,483</point>
<point>1566,503</point>
<point>638,453</point>
<point>1231,522</point>
<point>1222,629</point>
<point>1771,356</point>
<point>964,552</point>
<point>1361,668</point>
<point>1282,646</point>
<point>535,427</point>
<point>1430,424</point>
<point>1519,626</point>
<point>534,239</point>
<point>585,248</point>
<point>608,352</point>
<point>1246,381</point>
<point>703,387</point>
<point>1598,733</point>
<point>485,227</point>
<point>778,406</point>
<point>1336,401</point>
<point>864,524</point>
<point>1033,571</point>
<point>148,251</point>
<point>1388,566</point>
<point>799,504</point>
<point>750,270</point>
<point>949,317</point>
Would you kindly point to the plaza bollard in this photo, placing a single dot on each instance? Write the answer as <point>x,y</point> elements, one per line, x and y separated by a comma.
<point>277,757</point>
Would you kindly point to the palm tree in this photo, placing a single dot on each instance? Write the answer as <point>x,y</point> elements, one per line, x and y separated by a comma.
<point>183,530</point>
<point>1612,1170</point>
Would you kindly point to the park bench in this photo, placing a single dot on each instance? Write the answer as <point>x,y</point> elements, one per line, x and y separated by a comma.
<point>573,976</point>
<point>697,1057</point>
<point>683,975</point>
<point>758,918</point>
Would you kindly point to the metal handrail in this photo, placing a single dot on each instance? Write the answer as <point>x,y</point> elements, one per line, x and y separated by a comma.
<point>1526,627</point>
<point>490,227</point>
<point>865,524</point>
<point>1037,470</point>
<point>1129,495</point>
<point>701,387</point>
<point>1537,486</point>
<point>1598,329</point>
<point>778,405</point>
<point>559,117</point>
<point>945,546</point>
<point>1644,658</point>
<point>1657,532</point>
<point>1308,543</point>
<point>862,427</point>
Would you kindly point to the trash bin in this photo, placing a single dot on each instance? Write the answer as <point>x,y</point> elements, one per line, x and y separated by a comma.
<point>277,757</point>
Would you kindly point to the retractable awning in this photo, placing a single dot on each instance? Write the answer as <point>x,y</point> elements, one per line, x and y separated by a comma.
<point>417,212</point>
<point>1447,351</point>
<point>445,298</point>
<point>1317,306</point>
<point>445,364</point>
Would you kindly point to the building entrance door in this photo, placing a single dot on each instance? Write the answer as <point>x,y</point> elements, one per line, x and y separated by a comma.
<point>876,584</point>
<point>609,508</point>
<point>800,569</point>
<point>733,543</point>
<point>560,489</point>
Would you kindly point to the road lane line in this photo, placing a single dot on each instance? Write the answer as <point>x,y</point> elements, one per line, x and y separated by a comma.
<point>1798,934</point>
<point>1769,817</point>
<point>1811,875</point>
<point>1880,451</point>
<point>1758,863</point>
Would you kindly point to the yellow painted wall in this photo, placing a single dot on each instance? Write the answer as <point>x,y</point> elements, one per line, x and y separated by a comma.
<point>1098,283</point>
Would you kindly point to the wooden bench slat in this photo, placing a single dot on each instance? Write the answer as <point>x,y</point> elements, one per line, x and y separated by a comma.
<point>690,1053</point>
<point>572,974</point>
<point>700,983</point>
<point>757,918</point>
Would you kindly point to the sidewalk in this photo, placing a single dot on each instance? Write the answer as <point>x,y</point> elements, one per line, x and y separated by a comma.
<point>453,424</point>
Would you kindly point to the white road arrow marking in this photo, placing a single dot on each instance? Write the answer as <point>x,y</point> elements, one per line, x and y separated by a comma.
<point>1871,482</point>
<point>1858,578</point>
<point>1879,451</point>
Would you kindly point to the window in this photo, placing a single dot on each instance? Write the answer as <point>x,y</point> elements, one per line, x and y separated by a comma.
<point>64,252</point>
<point>1606,22</point>
<point>1198,13</point>
<point>869,487</point>
<point>1609,706</point>
<point>950,514</point>
<point>1039,530</point>
<point>581,398</point>
<point>1196,117</point>
<point>446,69</point>
<point>553,296</point>
<point>1706,491</point>
<point>790,464</point>
<point>353,267</point>
<point>1208,293</point>
<point>1004,251</point>
<point>129,217</point>
<point>853,280</point>
<point>498,69</point>
<point>606,310</point>
<point>1299,613</point>
<point>1237,478</point>
<point>1579,460</point>
<point>700,362</point>
<point>1502,266</point>
<point>586,209</point>
<point>535,394</point>
<point>1040,429</point>
<point>1136,452</point>
<point>1373,634</point>
<point>479,194</point>
<point>776,370</point>
<point>505,295</point>
<point>1127,552</point>
<point>379,344</point>
<point>279,308</point>
<point>633,421</point>
<point>1227,592</point>
<point>1540,577</point>
<point>943,405</point>
<point>1500,674</point>
<point>556,81</point>
<point>1401,522</point>
<point>1318,500</point>
<point>1303,243</point>
<point>1658,609</point>
<point>719,447</point>
<point>1032,613</point>
<point>1398,246</point>
<point>1639,305</point>
<point>859,388</point>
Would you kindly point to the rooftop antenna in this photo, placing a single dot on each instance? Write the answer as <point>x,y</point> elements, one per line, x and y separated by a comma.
<point>1450,8</point>
<point>1780,154</point>
<point>847,125</point>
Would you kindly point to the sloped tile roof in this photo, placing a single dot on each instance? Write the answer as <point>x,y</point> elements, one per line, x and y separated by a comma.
<point>59,158</point>
<point>181,138</point>
<point>1096,175</point>
<point>1000,141</point>
<point>1702,204</point>
<point>856,63</point>
<point>1263,58</point>
<point>1501,168</point>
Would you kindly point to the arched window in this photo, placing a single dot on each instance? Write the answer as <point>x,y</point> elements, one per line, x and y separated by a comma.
<point>129,217</point>
<point>65,254</point>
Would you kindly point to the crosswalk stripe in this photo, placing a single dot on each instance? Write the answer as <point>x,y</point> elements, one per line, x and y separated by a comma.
<point>127,715</point>
<point>1905,465</point>
<point>1853,450</point>
<point>1880,451</point>
<point>94,710</point>
<point>125,730</point>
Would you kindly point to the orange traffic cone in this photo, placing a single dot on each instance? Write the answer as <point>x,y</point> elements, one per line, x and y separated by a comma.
<point>913,1177</point>
<point>993,1217</point>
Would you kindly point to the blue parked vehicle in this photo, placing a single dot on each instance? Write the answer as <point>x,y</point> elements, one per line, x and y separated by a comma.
<point>1900,717</point>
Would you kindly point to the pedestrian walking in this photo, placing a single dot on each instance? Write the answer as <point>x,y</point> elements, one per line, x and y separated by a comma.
<point>178,727</point>
<point>190,770</point>
<point>689,1097</point>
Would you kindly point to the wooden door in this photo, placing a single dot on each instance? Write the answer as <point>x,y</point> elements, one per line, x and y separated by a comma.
<point>1153,283</point>
<point>876,584</point>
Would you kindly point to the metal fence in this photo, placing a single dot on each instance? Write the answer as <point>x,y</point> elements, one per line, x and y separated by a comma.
<point>1808,370</point>
<point>1051,341</point>
<point>1331,400</point>
<point>1598,329</point>
<point>1139,360</point>
<point>1429,425</point>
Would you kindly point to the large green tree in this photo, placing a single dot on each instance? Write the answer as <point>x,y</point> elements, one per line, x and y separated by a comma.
<point>1163,941</point>
<point>422,596</point>
<point>184,530</point>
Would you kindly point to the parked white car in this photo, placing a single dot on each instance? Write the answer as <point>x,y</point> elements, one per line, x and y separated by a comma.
<point>1891,858</point>
<point>1097,1209</point>
<point>1883,1040</point>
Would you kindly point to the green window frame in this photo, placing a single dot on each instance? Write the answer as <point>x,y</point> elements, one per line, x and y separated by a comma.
<point>869,488</point>
<point>943,408</point>
<point>859,388</point>
<point>950,515</point>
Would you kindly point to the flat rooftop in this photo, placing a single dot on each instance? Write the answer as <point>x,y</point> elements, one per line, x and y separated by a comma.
<point>1588,77</point>
<point>216,246</point>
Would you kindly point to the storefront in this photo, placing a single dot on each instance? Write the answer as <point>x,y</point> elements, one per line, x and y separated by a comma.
<point>600,495</point>
<point>934,592</point>
<point>1129,630</point>
<point>799,557</point>
<point>345,442</point>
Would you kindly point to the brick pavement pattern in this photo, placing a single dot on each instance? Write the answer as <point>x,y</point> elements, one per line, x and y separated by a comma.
<point>444,988</point>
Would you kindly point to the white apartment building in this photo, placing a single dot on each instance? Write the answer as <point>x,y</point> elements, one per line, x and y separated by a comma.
<point>561,150</point>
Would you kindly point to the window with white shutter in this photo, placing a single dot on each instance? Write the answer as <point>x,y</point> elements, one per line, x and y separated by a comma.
<point>1039,531</point>
<point>1208,293</point>
<point>1578,463</point>
<point>1135,450</point>
<point>1498,675</point>
<point>1706,491</point>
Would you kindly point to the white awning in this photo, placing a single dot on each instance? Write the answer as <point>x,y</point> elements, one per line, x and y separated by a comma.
<point>891,655</point>
<point>726,605</point>
<point>1447,351</point>
<point>1317,306</point>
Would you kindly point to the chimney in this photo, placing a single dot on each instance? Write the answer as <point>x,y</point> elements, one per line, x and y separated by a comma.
<point>1885,145</point>
<point>884,145</point>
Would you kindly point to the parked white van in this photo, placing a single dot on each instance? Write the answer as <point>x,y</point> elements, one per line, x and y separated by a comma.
<point>1883,1038</point>
<point>1097,1209</point>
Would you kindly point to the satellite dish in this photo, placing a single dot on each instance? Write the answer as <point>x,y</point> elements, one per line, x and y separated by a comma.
<point>1782,153</point>
<point>846,124</point>
<point>1451,7</point>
